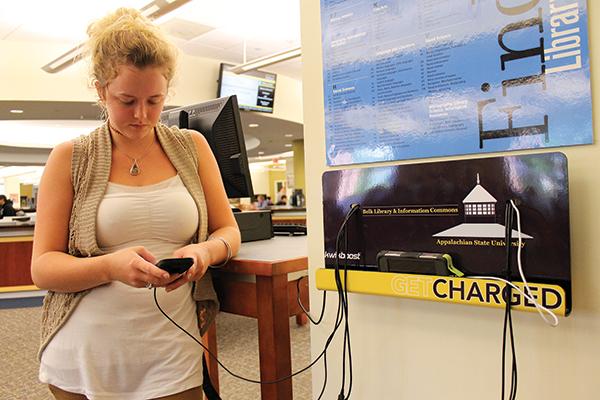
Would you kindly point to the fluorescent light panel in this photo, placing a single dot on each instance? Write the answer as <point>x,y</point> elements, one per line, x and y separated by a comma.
<point>152,10</point>
<point>67,59</point>
<point>267,60</point>
<point>158,8</point>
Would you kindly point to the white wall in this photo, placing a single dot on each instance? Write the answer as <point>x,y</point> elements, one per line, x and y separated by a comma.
<point>417,350</point>
<point>260,179</point>
<point>23,79</point>
<point>12,187</point>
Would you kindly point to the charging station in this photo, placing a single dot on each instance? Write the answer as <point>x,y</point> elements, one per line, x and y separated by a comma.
<point>425,213</point>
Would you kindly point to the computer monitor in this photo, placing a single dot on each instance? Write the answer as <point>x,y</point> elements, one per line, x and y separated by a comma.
<point>255,89</point>
<point>219,122</point>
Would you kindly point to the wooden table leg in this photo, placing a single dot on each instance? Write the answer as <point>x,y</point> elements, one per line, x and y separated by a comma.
<point>301,317</point>
<point>274,336</point>
<point>210,341</point>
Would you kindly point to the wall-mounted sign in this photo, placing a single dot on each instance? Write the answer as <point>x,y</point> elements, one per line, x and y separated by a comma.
<point>455,208</point>
<point>423,78</point>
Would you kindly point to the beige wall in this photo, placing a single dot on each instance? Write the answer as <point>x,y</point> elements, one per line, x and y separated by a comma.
<point>260,180</point>
<point>26,190</point>
<point>299,174</point>
<point>12,189</point>
<point>263,181</point>
<point>23,79</point>
<point>418,350</point>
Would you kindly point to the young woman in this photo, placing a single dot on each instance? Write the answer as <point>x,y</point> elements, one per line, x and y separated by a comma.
<point>110,205</point>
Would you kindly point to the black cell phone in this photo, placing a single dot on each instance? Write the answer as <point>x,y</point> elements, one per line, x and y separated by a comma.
<point>175,265</point>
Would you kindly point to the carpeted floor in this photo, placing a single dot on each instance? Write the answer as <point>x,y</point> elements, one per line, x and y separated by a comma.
<point>238,349</point>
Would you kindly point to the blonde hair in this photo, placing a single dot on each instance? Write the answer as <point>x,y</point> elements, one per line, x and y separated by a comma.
<point>126,37</point>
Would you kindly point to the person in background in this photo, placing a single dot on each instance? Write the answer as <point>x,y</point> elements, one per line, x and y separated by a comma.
<point>282,201</point>
<point>6,207</point>
<point>102,225</point>
<point>261,202</point>
<point>280,194</point>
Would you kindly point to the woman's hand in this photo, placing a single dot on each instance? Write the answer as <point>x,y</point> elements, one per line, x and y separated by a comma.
<point>134,266</point>
<point>202,259</point>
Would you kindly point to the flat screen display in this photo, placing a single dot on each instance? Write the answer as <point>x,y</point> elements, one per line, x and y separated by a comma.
<point>219,122</point>
<point>255,90</point>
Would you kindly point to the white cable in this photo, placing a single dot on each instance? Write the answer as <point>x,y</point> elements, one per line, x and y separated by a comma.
<point>527,294</point>
<point>538,306</point>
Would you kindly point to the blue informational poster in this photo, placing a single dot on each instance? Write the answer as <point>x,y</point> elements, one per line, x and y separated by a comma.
<point>410,79</point>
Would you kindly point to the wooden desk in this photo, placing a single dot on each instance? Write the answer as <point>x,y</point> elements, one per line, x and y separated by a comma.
<point>260,282</point>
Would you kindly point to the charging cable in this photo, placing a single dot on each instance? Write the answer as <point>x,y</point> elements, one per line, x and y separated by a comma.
<point>304,310</point>
<point>343,295</point>
<point>553,320</point>
<point>341,312</point>
<point>220,363</point>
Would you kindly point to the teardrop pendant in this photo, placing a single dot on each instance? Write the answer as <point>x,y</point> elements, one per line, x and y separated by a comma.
<point>135,169</point>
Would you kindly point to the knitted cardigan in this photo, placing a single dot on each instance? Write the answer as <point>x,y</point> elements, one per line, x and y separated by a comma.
<point>90,169</point>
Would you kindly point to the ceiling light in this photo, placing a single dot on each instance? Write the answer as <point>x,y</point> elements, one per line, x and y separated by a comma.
<point>158,8</point>
<point>11,171</point>
<point>289,135</point>
<point>288,145</point>
<point>68,58</point>
<point>260,153</point>
<point>251,142</point>
<point>267,60</point>
<point>16,111</point>
<point>152,10</point>
<point>253,125</point>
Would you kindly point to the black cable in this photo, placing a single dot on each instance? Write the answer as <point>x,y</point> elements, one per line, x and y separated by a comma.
<point>508,221</point>
<point>221,364</point>
<point>507,289</point>
<point>347,328</point>
<point>339,319</point>
<point>344,302</point>
<point>324,378</point>
<point>513,384</point>
<point>340,310</point>
<point>338,322</point>
<point>304,310</point>
<point>343,298</point>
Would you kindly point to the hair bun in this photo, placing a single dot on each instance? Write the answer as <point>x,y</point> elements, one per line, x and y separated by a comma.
<point>117,20</point>
<point>126,37</point>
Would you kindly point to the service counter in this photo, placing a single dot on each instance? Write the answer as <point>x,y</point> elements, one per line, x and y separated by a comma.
<point>16,244</point>
<point>286,215</point>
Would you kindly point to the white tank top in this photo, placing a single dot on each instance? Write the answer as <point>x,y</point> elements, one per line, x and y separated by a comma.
<point>117,344</point>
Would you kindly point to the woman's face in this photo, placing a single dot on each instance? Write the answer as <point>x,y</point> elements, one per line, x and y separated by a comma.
<point>134,100</point>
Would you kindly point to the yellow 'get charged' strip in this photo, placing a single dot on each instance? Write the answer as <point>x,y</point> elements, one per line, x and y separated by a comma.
<point>480,292</point>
